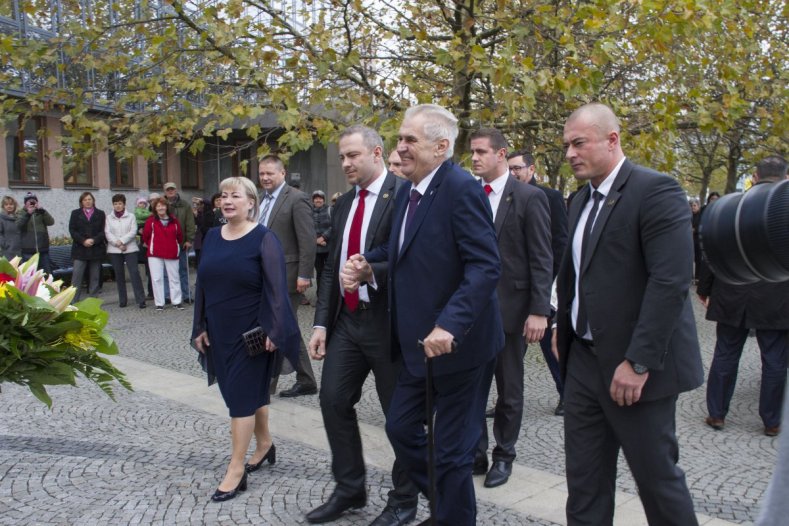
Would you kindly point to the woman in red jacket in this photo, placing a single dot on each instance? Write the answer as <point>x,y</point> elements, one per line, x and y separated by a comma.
<point>163,236</point>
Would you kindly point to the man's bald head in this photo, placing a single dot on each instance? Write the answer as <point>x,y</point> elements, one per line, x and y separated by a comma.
<point>598,115</point>
<point>591,141</point>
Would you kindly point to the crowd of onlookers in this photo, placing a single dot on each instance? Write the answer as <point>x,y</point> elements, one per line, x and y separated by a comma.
<point>158,232</point>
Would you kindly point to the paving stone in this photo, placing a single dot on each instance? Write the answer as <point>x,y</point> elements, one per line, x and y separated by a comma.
<point>148,460</point>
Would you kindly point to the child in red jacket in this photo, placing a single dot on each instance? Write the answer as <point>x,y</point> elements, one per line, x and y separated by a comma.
<point>163,236</point>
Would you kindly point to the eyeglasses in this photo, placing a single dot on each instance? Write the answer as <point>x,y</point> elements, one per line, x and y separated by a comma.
<point>518,167</point>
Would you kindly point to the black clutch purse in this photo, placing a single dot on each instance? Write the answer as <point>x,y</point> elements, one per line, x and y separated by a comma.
<point>255,341</point>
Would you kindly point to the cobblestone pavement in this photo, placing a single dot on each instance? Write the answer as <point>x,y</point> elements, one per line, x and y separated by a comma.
<point>150,460</point>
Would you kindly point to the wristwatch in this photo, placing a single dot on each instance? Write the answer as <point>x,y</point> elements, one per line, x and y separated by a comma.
<point>638,368</point>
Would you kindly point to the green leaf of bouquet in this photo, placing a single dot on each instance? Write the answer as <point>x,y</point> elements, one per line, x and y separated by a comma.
<point>41,393</point>
<point>54,374</point>
<point>91,306</point>
<point>107,345</point>
<point>7,268</point>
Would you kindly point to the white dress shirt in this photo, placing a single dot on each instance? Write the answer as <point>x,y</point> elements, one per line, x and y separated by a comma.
<point>497,189</point>
<point>373,191</point>
<point>421,188</point>
<point>604,188</point>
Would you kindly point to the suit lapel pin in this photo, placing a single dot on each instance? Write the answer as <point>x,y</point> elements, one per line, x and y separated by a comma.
<point>385,196</point>
<point>509,198</point>
<point>611,202</point>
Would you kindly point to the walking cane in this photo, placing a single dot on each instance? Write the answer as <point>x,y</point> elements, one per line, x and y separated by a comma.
<point>431,445</point>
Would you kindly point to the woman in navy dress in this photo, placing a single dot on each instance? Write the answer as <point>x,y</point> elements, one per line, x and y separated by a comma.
<point>241,285</point>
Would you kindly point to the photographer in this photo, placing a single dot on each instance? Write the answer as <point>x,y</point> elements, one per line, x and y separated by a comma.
<point>32,222</point>
<point>761,306</point>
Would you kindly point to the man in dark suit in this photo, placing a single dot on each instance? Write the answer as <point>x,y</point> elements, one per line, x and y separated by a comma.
<point>288,213</point>
<point>523,232</point>
<point>737,309</point>
<point>351,332</point>
<point>626,334</point>
<point>522,167</point>
<point>443,270</point>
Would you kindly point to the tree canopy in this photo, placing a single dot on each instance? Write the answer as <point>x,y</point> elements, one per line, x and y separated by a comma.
<point>132,74</point>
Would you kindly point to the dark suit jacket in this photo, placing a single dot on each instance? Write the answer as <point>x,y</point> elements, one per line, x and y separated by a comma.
<point>81,229</point>
<point>558,223</point>
<point>291,221</point>
<point>635,278</point>
<point>445,274</point>
<point>330,299</point>
<point>523,230</point>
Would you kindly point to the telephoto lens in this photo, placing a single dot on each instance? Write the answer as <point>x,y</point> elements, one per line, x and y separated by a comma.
<point>745,236</point>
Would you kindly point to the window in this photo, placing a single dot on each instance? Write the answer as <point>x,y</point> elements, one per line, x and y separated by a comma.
<point>120,172</point>
<point>157,170</point>
<point>24,151</point>
<point>77,164</point>
<point>243,156</point>
<point>191,169</point>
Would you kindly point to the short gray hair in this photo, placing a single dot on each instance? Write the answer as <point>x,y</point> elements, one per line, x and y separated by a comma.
<point>249,189</point>
<point>439,124</point>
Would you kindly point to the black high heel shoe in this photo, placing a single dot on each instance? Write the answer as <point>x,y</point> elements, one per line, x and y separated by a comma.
<point>221,496</point>
<point>271,456</point>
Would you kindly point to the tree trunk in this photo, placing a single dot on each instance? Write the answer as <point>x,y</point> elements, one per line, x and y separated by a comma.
<point>732,162</point>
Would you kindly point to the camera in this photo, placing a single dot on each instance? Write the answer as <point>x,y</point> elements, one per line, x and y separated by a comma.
<point>745,236</point>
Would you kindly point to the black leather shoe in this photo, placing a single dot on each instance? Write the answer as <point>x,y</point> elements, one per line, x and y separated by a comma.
<point>499,474</point>
<point>298,390</point>
<point>480,466</point>
<point>559,411</point>
<point>715,423</point>
<point>395,516</point>
<point>333,508</point>
<point>271,456</point>
<point>122,304</point>
<point>221,496</point>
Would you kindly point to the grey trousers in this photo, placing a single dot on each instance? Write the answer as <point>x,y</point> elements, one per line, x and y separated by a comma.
<point>130,259</point>
<point>79,274</point>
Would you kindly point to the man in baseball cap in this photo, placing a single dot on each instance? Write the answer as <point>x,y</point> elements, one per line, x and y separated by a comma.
<point>32,222</point>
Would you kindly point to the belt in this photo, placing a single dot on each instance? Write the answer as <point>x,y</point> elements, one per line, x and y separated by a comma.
<point>583,342</point>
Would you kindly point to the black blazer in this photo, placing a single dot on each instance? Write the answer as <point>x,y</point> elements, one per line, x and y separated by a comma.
<point>330,299</point>
<point>558,223</point>
<point>81,229</point>
<point>523,232</point>
<point>636,275</point>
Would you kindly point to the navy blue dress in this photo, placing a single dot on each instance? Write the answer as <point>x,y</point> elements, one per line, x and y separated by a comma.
<point>241,284</point>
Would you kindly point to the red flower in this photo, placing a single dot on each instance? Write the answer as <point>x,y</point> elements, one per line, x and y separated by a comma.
<point>4,278</point>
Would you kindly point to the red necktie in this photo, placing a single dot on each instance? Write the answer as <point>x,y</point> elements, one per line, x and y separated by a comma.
<point>488,189</point>
<point>355,246</point>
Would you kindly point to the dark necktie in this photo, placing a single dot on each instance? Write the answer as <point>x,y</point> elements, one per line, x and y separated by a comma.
<point>487,189</point>
<point>413,202</point>
<point>354,246</point>
<point>267,200</point>
<point>582,322</point>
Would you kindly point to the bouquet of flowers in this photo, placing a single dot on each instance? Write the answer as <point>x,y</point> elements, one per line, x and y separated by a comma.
<point>44,340</point>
